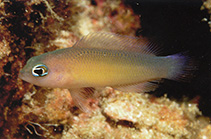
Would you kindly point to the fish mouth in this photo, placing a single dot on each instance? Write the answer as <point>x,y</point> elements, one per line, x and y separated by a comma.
<point>21,75</point>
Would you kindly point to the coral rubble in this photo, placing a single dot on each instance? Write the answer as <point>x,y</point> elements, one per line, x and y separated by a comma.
<point>207,5</point>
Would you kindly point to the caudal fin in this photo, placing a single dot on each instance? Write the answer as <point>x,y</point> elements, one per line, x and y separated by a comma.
<point>181,67</point>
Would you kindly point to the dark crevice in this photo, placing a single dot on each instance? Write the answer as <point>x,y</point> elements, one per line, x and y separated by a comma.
<point>177,26</point>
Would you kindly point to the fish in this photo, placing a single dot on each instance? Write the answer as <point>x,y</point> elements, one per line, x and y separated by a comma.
<point>100,60</point>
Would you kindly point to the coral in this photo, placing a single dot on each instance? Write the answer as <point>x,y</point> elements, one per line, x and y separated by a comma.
<point>207,5</point>
<point>29,28</point>
<point>205,133</point>
<point>134,115</point>
<point>164,117</point>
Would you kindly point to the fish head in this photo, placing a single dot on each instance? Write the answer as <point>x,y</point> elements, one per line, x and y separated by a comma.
<point>46,71</point>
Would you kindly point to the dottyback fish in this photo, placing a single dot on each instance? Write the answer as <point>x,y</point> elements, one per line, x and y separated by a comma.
<point>100,60</point>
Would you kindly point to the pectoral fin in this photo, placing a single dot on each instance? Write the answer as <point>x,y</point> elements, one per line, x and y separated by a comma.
<point>80,98</point>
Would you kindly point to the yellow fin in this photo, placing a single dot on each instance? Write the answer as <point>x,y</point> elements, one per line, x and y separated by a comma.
<point>111,41</point>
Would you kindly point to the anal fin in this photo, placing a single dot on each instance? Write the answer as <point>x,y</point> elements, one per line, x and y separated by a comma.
<point>140,87</point>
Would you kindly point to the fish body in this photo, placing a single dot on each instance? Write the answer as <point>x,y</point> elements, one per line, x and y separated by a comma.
<point>99,60</point>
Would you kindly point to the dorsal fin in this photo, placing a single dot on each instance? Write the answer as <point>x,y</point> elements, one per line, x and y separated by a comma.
<point>111,41</point>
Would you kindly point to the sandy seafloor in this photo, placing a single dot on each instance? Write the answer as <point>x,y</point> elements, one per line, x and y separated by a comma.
<point>174,110</point>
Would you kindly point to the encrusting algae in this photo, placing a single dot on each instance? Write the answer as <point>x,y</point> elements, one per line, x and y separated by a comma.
<point>39,26</point>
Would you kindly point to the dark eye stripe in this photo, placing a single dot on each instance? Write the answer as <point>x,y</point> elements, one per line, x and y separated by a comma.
<point>40,70</point>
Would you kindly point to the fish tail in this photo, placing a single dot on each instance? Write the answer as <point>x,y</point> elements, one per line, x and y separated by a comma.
<point>181,67</point>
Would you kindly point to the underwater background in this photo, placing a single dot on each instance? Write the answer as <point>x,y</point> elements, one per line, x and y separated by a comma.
<point>178,26</point>
<point>174,110</point>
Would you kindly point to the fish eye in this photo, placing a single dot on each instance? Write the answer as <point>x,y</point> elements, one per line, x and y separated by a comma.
<point>40,70</point>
